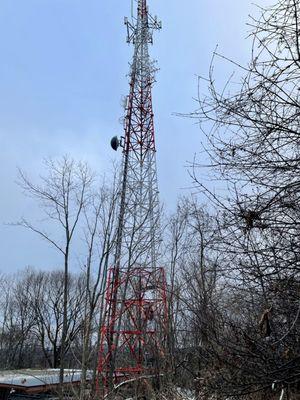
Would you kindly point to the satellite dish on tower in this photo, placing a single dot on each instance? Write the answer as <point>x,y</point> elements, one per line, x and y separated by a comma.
<point>115,143</point>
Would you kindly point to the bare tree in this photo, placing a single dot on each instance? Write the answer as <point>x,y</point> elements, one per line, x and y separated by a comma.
<point>193,296</point>
<point>46,297</point>
<point>63,193</point>
<point>254,149</point>
<point>99,219</point>
<point>17,340</point>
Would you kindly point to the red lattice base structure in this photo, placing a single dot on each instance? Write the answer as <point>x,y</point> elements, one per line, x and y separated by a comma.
<point>134,331</point>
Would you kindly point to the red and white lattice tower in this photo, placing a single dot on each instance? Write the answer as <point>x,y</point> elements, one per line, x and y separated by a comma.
<point>134,329</point>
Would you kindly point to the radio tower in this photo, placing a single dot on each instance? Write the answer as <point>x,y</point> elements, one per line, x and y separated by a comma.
<point>134,327</point>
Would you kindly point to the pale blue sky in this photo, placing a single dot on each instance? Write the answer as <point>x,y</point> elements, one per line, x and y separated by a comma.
<point>62,76</point>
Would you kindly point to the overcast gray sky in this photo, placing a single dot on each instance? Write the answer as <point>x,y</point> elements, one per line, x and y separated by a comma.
<point>62,76</point>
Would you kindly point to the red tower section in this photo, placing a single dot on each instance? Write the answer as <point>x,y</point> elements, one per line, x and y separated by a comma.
<point>138,323</point>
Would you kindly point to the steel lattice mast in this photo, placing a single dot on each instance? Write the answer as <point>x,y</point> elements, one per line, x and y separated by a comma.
<point>133,332</point>
<point>139,209</point>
